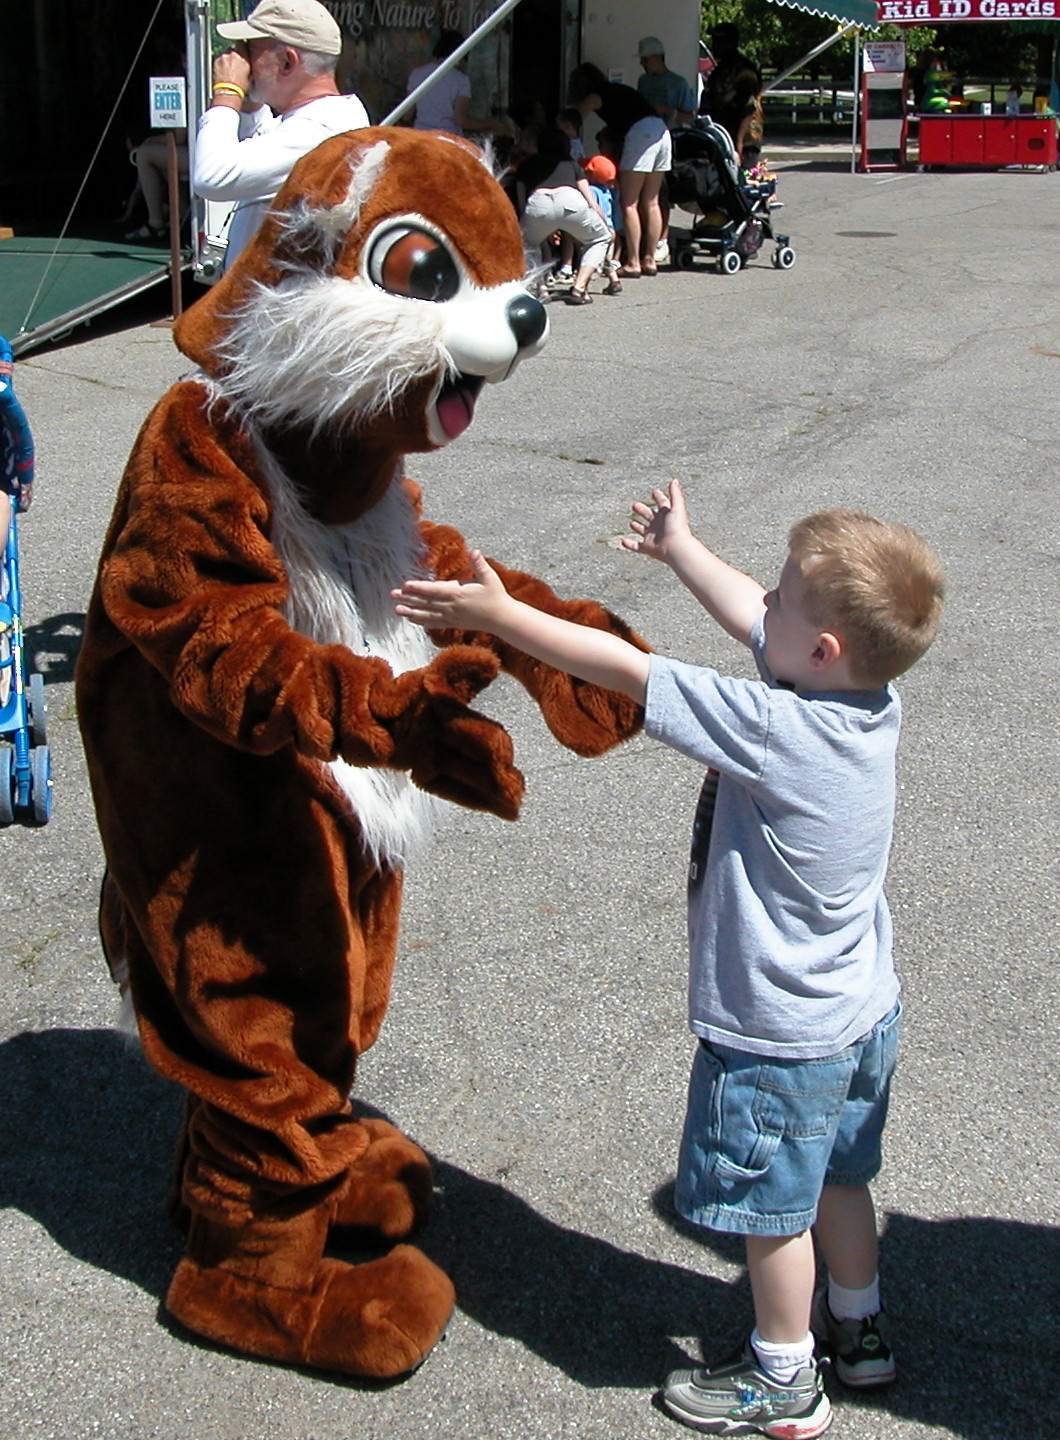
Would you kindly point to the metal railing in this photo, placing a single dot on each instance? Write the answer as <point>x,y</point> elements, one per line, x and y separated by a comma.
<point>826,101</point>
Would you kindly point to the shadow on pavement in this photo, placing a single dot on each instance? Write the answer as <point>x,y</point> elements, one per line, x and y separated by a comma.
<point>52,645</point>
<point>975,1309</point>
<point>86,1136</point>
<point>86,1140</point>
<point>602,1315</point>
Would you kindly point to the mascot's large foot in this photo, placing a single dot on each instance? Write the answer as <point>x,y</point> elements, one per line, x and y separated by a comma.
<point>388,1191</point>
<point>380,1319</point>
<point>385,1196</point>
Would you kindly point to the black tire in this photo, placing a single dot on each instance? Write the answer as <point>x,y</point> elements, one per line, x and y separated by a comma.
<point>40,791</point>
<point>685,258</point>
<point>7,777</point>
<point>38,711</point>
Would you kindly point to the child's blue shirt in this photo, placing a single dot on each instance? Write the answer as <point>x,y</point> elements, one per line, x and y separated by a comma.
<point>789,928</point>
<point>605,198</point>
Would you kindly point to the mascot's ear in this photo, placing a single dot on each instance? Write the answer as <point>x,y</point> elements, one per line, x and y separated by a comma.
<point>320,181</point>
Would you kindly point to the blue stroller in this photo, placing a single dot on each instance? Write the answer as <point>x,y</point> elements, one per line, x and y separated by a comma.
<point>25,761</point>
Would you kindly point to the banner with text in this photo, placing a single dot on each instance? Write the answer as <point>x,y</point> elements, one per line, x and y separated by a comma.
<point>921,12</point>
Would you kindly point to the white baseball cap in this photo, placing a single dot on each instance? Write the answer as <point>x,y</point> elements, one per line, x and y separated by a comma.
<point>305,24</point>
<point>650,45</point>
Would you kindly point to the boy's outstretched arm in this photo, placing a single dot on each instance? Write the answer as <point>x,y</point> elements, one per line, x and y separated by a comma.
<point>484,604</point>
<point>662,531</point>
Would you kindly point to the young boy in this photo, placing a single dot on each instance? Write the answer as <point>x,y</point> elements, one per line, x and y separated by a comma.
<point>793,993</point>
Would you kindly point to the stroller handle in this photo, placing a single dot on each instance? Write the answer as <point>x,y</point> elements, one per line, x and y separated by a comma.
<point>13,419</point>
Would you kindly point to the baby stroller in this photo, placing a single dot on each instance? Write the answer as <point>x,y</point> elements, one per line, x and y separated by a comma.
<point>25,761</point>
<point>732,212</point>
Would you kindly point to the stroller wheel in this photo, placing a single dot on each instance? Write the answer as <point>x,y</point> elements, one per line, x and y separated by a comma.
<point>40,792</point>
<point>685,258</point>
<point>784,258</point>
<point>729,262</point>
<point>7,781</point>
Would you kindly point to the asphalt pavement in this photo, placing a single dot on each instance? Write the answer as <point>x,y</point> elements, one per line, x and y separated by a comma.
<point>536,1044</point>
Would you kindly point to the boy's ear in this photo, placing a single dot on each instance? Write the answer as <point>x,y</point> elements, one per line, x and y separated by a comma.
<point>827,651</point>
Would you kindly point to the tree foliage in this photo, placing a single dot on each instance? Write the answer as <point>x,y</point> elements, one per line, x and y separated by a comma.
<point>777,36</point>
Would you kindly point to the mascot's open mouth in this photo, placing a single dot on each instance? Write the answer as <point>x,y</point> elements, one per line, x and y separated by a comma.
<point>453,409</point>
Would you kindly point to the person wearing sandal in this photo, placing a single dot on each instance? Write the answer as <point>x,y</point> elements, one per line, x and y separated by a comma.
<point>647,154</point>
<point>553,194</point>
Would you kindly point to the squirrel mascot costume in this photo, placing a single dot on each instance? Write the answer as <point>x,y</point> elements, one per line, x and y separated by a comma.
<point>267,741</point>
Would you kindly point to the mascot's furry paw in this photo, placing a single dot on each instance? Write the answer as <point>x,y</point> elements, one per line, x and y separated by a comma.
<point>455,752</point>
<point>380,1319</point>
<point>388,1191</point>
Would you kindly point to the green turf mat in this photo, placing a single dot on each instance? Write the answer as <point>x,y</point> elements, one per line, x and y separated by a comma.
<point>88,275</point>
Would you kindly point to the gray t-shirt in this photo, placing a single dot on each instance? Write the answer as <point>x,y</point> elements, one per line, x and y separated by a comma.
<point>789,929</point>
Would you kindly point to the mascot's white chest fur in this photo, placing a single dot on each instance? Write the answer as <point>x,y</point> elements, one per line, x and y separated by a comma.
<point>340,582</point>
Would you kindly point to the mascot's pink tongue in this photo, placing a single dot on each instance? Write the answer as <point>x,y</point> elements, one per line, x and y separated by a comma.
<point>456,409</point>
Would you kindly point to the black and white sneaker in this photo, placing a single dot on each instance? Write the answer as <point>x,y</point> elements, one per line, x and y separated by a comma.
<point>859,1349</point>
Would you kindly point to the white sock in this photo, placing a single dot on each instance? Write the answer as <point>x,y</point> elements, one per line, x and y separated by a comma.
<point>853,1304</point>
<point>783,1361</point>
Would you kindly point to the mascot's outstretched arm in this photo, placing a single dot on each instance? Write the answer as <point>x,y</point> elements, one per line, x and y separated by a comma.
<point>584,717</point>
<point>195,583</point>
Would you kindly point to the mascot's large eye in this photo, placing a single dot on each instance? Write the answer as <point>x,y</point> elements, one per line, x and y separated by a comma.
<point>412,262</point>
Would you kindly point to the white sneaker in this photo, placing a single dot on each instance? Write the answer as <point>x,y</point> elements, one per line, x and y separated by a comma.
<point>662,253</point>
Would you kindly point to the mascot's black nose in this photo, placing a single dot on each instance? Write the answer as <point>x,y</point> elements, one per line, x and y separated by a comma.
<point>527,318</point>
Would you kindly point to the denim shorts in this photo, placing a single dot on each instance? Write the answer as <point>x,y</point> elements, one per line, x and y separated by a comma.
<point>764,1135</point>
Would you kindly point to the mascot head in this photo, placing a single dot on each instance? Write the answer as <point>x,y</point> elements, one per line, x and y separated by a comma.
<point>385,286</point>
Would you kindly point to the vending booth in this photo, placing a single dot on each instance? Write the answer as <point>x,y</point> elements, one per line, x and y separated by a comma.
<point>979,139</point>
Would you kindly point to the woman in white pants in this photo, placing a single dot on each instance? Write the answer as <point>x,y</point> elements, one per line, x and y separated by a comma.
<point>561,200</point>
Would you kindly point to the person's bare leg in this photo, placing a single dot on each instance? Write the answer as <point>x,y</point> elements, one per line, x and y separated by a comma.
<point>151,168</point>
<point>7,504</point>
<point>783,1270</point>
<point>584,275</point>
<point>664,211</point>
<point>630,185</point>
<point>651,218</point>
<point>846,1235</point>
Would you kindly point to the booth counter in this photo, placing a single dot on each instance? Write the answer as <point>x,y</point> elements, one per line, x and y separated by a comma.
<point>993,141</point>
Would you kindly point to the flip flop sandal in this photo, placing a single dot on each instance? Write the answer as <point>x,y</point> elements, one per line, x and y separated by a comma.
<point>628,274</point>
<point>579,297</point>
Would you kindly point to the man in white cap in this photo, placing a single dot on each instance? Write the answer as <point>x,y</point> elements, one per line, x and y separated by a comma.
<point>669,95</point>
<point>671,98</point>
<point>274,99</point>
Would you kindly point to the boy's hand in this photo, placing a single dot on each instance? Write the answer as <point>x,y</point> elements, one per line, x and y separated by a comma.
<point>476,604</point>
<point>659,527</point>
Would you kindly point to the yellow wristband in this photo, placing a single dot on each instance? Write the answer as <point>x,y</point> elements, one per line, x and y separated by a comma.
<point>228,87</point>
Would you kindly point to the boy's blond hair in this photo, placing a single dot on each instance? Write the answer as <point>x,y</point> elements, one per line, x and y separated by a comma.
<point>879,585</point>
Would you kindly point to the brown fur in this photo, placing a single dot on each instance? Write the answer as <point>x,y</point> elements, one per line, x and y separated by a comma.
<point>258,937</point>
